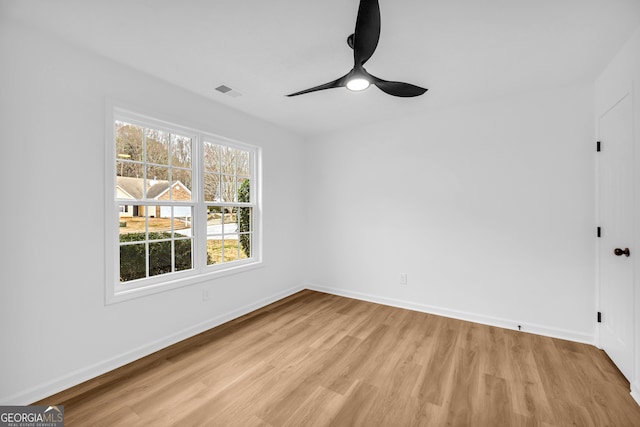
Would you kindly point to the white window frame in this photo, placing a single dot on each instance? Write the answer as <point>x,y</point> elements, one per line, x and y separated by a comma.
<point>115,291</point>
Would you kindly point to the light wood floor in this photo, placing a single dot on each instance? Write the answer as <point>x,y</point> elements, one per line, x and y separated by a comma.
<point>315,359</point>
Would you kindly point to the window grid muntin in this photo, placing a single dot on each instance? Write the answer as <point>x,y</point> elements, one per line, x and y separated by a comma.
<point>178,279</point>
<point>237,231</point>
<point>172,239</point>
<point>145,164</point>
<point>148,128</point>
<point>224,151</point>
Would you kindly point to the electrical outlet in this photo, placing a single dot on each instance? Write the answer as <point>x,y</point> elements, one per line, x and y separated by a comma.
<point>205,295</point>
<point>403,278</point>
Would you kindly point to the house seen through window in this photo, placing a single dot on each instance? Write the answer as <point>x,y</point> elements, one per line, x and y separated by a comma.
<point>184,202</point>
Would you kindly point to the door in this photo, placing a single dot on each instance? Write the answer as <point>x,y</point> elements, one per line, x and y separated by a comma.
<point>615,202</point>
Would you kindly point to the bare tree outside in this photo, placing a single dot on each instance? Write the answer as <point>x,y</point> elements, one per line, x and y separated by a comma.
<point>226,168</point>
<point>133,141</point>
<point>211,171</point>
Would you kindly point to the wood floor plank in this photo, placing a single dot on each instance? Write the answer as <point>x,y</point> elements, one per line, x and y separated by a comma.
<point>223,408</point>
<point>419,413</point>
<point>495,395</point>
<point>315,359</point>
<point>357,407</point>
<point>494,355</point>
<point>123,416</point>
<point>463,390</point>
<point>394,396</point>
<point>164,408</point>
<point>439,368</point>
<point>527,393</point>
<point>319,409</point>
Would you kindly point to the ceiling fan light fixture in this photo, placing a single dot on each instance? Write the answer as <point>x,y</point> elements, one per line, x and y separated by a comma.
<point>364,41</point>
<point>357,84</point>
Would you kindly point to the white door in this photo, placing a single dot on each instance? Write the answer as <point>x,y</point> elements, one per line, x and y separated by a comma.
<point>615,202</point>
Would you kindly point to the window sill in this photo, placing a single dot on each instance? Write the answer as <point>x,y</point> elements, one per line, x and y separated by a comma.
<point>114,296</point>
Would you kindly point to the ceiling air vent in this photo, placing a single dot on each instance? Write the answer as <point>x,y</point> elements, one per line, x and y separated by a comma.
<point>228,91</point>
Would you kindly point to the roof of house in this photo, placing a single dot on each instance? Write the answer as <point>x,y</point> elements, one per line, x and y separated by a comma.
<point>135,187</point>
<point>157,189</point>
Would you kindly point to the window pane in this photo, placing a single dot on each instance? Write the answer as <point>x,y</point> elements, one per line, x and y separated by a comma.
<point>157,182</point>
<point>159,222</point>
<point>157,146</point>
<point>245,219</point>
<point>182,221</point>
<point>244,190</point>
<point>245,246</point>
<point>132,228</point>
<point>128,141</point>
<point>125,211</point>
<point>211,157</point>
<point>159,258</point>
<point>180,151</point>
<point>224,242</point>
<point>214,250</point>
<point>157,174</point>
<point>129,181</point>
<point>211,187</point>
<point>244,169</point>
<point>231,248</point>
<point>230,221</point>
<point>133,262</point>
<point>129,169</point>
<point>228,188</point>
<point>214,220</point>
<point>228,160</point>
<point>183,255</point>
<point>181,189</point>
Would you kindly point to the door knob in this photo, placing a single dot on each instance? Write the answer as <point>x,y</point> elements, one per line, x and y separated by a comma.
<point>620,252</point>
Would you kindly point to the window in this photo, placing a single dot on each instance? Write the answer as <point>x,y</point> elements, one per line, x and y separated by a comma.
<point>227,179</point>
<point>183,202</point>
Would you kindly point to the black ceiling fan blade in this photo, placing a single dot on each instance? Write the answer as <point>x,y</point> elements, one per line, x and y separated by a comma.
<point>336,83</point>
<point>367,34</point>
<point>364,42</point>
<point>405,90</point>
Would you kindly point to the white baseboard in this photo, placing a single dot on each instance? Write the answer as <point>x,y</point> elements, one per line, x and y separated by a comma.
<point>26,397</point>
<point>635,392</point>
<point>461,315</point>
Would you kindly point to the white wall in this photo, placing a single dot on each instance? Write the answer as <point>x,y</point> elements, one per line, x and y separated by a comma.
<point>488,208</point>
<point>622,73</point>
<point>55,329</point>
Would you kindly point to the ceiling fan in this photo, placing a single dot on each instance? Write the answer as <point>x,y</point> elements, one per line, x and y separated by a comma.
<point>364,42</point>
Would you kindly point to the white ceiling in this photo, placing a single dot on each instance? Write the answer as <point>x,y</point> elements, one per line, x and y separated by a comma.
<point>462,50</point>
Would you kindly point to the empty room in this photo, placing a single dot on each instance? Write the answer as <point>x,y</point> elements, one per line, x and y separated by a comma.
<point>333,213</point>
